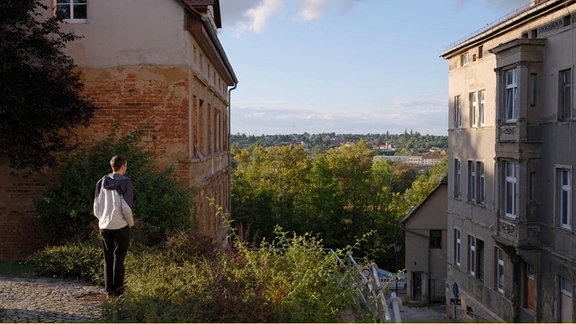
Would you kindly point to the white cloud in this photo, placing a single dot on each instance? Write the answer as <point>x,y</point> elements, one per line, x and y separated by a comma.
<point>312,9</point>
<point>256,17</point>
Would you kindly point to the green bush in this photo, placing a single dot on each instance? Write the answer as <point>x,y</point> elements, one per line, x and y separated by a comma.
<point>290,279</point>
<point>162,202</point>
<point>78,261</point>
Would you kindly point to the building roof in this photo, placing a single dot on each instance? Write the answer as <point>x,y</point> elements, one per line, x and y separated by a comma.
<point>443,182</point>
<point>512,20</point>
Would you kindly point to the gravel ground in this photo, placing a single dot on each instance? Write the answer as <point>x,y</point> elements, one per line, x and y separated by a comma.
<point>49,300</point>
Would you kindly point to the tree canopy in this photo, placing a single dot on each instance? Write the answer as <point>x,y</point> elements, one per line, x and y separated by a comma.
<point>40,87</point>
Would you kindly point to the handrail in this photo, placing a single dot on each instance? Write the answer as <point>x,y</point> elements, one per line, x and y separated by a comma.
<point>370,289</point>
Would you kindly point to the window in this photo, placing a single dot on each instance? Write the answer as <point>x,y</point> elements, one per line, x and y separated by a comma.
<point>480,259</point>
<point>457,170</point>
<point>435,239</point>
<point>464,59</point>
<point>471,181</point>
<point>511,104</point>
<point>532,187</point>
<point>457,112</point>
<point>72,10</point>
<point>472,255</point>
<point>500,270</point>
<point>565,96</point>
<point>481,194</point>
<point>457,247</point>
<point>474,109</point>
<point>476,257</point>
<point>510,189</point>
<point>480,51</point>
<point>481,110</point>
<point>566,308</point>
<point>533,78</point>
<point>564,201</point>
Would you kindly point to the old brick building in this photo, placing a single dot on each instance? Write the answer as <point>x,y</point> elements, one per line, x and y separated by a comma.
<point>156,64</point>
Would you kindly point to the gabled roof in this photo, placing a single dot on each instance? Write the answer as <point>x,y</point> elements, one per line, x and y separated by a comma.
<point>443,182</point>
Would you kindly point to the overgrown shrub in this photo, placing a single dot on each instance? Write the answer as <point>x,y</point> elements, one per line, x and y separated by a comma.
<point>162,202</point>
<point>78,261</point>
<point>290,279</point>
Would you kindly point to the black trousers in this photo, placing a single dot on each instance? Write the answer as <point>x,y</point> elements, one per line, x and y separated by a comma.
<point>115,245</point>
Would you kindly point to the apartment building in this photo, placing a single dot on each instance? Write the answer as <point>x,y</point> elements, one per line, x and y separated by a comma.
<point>147,64</point>
<point>511,231</point>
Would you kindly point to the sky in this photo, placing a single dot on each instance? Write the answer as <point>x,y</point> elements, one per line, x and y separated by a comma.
<point>346,66</point>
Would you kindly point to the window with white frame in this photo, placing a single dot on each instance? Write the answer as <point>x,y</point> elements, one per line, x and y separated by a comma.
<point>564,201</point>
<point>457,244</point>
<point>464,59</point>
<point>566,307</point>
<point>471,181</point>
<point>500,270</point>
<point>565,96</point>
<point>457,180</point>
<point>472,255</point>
<point>511,98</point>
<point>481,107</point>
<point>481,194</point>
<point>457,112</point>
<point>71,10</point>
<point>510,189</point>
<point>474,109</point>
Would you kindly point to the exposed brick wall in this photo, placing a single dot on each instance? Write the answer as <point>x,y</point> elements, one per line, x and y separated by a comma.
<point>20,230</point>
<point>159,99</point>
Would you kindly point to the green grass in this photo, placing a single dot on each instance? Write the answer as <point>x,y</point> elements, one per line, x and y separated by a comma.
<point>16,269</point>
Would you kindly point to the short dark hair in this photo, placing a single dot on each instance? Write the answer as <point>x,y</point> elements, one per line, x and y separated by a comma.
<point>117,161</point>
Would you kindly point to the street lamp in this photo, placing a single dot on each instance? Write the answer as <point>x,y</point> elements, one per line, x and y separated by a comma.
<point>397,249</point>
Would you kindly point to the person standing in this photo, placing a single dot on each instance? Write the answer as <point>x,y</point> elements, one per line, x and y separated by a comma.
<point>113,203</point>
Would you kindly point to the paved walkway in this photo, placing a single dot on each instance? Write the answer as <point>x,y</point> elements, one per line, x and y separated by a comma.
<point>49,300</point>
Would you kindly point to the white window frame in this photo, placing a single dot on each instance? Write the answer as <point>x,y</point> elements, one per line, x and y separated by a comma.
<point>472,255</point>
<point>564,197</point>
<point>481,107</point>
<point>457,178</point>
<point>481,192</point>
<point>500,270</point>
<point>510,189</point>
<point>457,246</point>
<point>457,112</point>
<point>472,181</point>
<point>71,7</point>
<point>511,95</point>
<point>474,109</point>
<point>464,59</point>
<point>566,303</point>
<point>565,94</point>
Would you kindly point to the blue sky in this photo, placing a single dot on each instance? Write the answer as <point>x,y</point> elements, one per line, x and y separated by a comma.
<point>346,66</point>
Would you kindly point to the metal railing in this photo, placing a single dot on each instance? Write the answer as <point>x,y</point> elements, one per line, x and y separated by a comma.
<point>370,290</point>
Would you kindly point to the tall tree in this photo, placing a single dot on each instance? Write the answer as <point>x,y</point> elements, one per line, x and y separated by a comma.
<point>39,86</point>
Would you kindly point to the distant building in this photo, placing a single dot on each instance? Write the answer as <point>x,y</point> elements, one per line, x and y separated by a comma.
<point>425,247</point>
<point>415,160</point>
<point>511,225</point>
<point>153,64</point>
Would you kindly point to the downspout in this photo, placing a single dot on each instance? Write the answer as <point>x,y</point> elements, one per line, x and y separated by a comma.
<point>427,262</point>
<point>230,148</point>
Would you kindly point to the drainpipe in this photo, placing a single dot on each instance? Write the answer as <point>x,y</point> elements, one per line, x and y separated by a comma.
<point>230,148</point>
